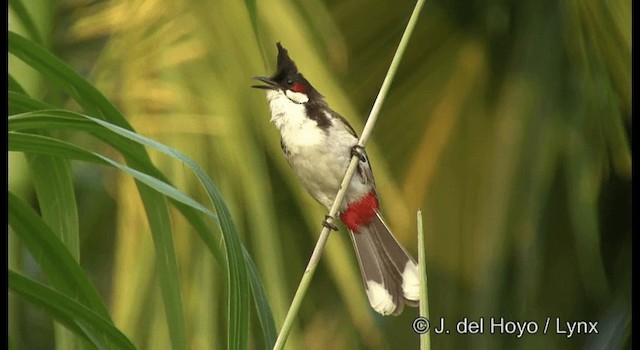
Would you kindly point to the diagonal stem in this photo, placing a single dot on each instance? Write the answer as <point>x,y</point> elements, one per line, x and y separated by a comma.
<point>366,133</point>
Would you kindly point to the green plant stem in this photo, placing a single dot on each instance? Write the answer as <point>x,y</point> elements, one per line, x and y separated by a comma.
<point>425,338</point>
<point>366,133</point>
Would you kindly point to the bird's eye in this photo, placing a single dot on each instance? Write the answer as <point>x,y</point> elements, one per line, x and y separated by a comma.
<point>289,82</point>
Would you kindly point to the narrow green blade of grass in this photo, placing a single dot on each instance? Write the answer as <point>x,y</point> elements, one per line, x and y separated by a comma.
<point>252,9</point>
<point>265,316</point>
<point>43,145</point>
<point>21,103</point>
<point>77,317</point>
<point>237,276</point>
<point>52,256</point>
<point>425,338</point>
<point>253,15</point>
<point>18,7</point>
<point>51,179</point>
<point>166,263</point>
<point>60,75</point>
<point>38,144</point>
<point>15,86</point>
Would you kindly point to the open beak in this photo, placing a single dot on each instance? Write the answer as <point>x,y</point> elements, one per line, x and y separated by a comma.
<point>270,84</point>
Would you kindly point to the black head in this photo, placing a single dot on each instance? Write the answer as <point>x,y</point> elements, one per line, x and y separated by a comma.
<point>287,77</point>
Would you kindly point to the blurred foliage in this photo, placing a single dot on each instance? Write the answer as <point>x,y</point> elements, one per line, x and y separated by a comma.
<point>508,123</point>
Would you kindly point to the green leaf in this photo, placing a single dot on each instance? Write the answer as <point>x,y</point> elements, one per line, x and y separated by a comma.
<point>265,316</point>
<point>18,7</point>
<point>21,103</point>
<point>30,143</point>
<point>52,182</point>
<point>64,273</point>
<point>15,86</point>
<point>65,78</point>
<point>51,179</point>
<point>78,318</point>
<point>253,16</point>
<point>44,145</point>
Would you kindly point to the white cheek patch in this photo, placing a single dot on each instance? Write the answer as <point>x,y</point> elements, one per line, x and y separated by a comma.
<point>297,97</point>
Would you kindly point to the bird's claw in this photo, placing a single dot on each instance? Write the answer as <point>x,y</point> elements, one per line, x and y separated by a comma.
<point>358,151</point>
<point>329,225</point>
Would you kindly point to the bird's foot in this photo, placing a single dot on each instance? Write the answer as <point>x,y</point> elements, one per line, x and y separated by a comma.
<point>329,225</point>
<point>358,151</point>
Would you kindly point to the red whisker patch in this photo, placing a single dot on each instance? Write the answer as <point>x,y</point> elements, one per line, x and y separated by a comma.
<point>360,212</point>
<point>297,87</point>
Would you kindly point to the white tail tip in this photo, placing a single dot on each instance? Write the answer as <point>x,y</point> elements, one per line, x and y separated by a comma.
<point>411,281</point>
<point>380,299</point>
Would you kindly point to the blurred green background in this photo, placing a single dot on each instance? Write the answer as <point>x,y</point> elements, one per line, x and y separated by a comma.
<point>508,124</point>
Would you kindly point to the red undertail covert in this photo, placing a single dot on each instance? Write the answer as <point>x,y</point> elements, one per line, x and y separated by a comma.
<point>360,212</point>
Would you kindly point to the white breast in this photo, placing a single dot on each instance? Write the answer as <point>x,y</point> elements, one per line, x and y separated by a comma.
<point>290,118</point>
<point>319,161</point>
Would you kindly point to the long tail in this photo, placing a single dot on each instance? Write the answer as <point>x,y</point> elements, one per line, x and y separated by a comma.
<point>389,273</point>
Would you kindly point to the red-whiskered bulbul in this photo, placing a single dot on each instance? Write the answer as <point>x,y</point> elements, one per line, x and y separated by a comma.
<point>319,144</point>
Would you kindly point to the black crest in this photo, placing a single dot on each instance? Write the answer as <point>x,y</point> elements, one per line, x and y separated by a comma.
<point>286,66</point>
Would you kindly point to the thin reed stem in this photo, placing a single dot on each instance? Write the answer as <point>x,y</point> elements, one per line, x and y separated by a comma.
<point>425,338</point>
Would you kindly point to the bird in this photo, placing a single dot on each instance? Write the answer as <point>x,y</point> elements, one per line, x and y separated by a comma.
<point>318,144</point>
